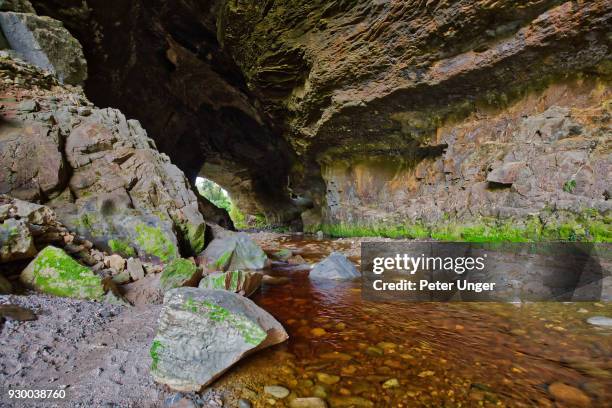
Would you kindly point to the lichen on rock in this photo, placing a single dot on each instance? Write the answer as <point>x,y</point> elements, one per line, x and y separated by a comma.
<point>178,273</point>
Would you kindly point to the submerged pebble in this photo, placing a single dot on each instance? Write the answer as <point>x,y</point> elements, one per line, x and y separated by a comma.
<point>276,391</point>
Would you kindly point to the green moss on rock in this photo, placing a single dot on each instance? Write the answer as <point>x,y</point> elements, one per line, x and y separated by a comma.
<point>121,247</point>
<point>56,273</point>
<point>153,241</point>
<point>179,272</point>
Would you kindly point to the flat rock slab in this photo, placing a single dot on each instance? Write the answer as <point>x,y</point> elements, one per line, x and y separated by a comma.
<point>203,332</point>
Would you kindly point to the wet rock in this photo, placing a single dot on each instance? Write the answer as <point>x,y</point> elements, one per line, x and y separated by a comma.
<point>600,321</point>
<point>242,282</point>
<point>282,255</point>
<point>275,280</point>
<point>355,402</point>
<point>567,394</point>
<point>16,241</point>
<point>56,273</point>
<point>336,267</point>
<point>276,391</point>
<point>328,379</point>
<point>5,286</point>
<point>234,252</point>
<point>311,402</point>
<point>180,272</point>
<point>391,383</point>
<point>135,269</point>
<point>203,332</point>
<point>44,42</point>
<point>244,403</point>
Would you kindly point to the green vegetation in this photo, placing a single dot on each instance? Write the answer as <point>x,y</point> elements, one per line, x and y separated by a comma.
<point>177,273</point>
<point>250,331</point>
<point>121,247</point>
<point>569,186</point>
<point>56,273</point>
<point>223,260</point>
<point>587,226</point>
<point>153,241</point>
<point>156,347</point>
<point>214,193</point>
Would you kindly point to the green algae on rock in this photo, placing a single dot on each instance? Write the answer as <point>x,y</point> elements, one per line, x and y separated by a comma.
<point>56,273</point>
<point>203,332</point>
<point>243,282</point>
<point>180,272</point>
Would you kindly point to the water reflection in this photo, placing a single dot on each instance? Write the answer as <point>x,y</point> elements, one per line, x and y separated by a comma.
<point>357,353</point>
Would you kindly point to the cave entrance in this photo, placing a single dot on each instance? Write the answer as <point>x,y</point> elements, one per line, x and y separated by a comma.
<point>221,198</point>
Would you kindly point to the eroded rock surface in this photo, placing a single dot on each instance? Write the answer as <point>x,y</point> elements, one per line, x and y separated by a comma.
<point>203,332</point>
<point>98,170</point>
<point>335,267</point>
<point>389,112</point>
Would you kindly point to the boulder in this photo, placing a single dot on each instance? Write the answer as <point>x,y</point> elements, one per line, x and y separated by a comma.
<point>336,267</point>
<point>16,241</point>
<point>242,282</point>
<point>180,272</point>
<point>234,252</point>
<point>135,269</point>
<point>45,43</point>
<point>56,273</point>
<point>203,332</point>
<point>144,291</point>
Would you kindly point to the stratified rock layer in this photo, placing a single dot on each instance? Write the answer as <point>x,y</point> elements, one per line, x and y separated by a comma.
<point>99,171</point>
<point>408,115</point>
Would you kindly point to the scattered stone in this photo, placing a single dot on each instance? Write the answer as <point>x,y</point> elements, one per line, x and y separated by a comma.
<point>244,403</point>
<point>144,291</point>
<point>116,262</point>
<point>296,260</point>
<point>600,321</point>
<point>245,283</point>
<point>336,267</point>
<point>276,391</point>
<point>179,272</point>
<point>234,252</point>
<point>328,379</point>
<point>18,313</point>
<point>282,255</point>
<point>374,351</point>
<point>16,241</point>
<point>203,332</point>
<point>354,402</point>
<point>121,278</point>
<point>391,383</point>
<point>311,402</point>
<point>569,395</point>
<point>56,273</point>
<point>318,332</point>
<point>135,269</point>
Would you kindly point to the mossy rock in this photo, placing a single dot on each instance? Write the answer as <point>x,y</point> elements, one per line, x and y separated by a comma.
<point>178,273</point>
<point>56,273</point>
<point>242,282</point>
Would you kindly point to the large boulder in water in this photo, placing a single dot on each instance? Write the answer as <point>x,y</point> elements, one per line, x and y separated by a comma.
<point>335,267</point>
<point>242,282</point>
<point>203,332</point>
<point>234,252</point>
<point>56,273</point>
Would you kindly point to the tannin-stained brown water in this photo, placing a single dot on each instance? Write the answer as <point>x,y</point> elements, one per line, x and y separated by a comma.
<point>355,353</point>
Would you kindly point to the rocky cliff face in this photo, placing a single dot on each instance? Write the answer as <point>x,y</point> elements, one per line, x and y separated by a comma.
<point>437,115</point>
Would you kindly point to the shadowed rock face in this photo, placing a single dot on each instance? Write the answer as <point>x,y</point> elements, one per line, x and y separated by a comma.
<point>367,110</point>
